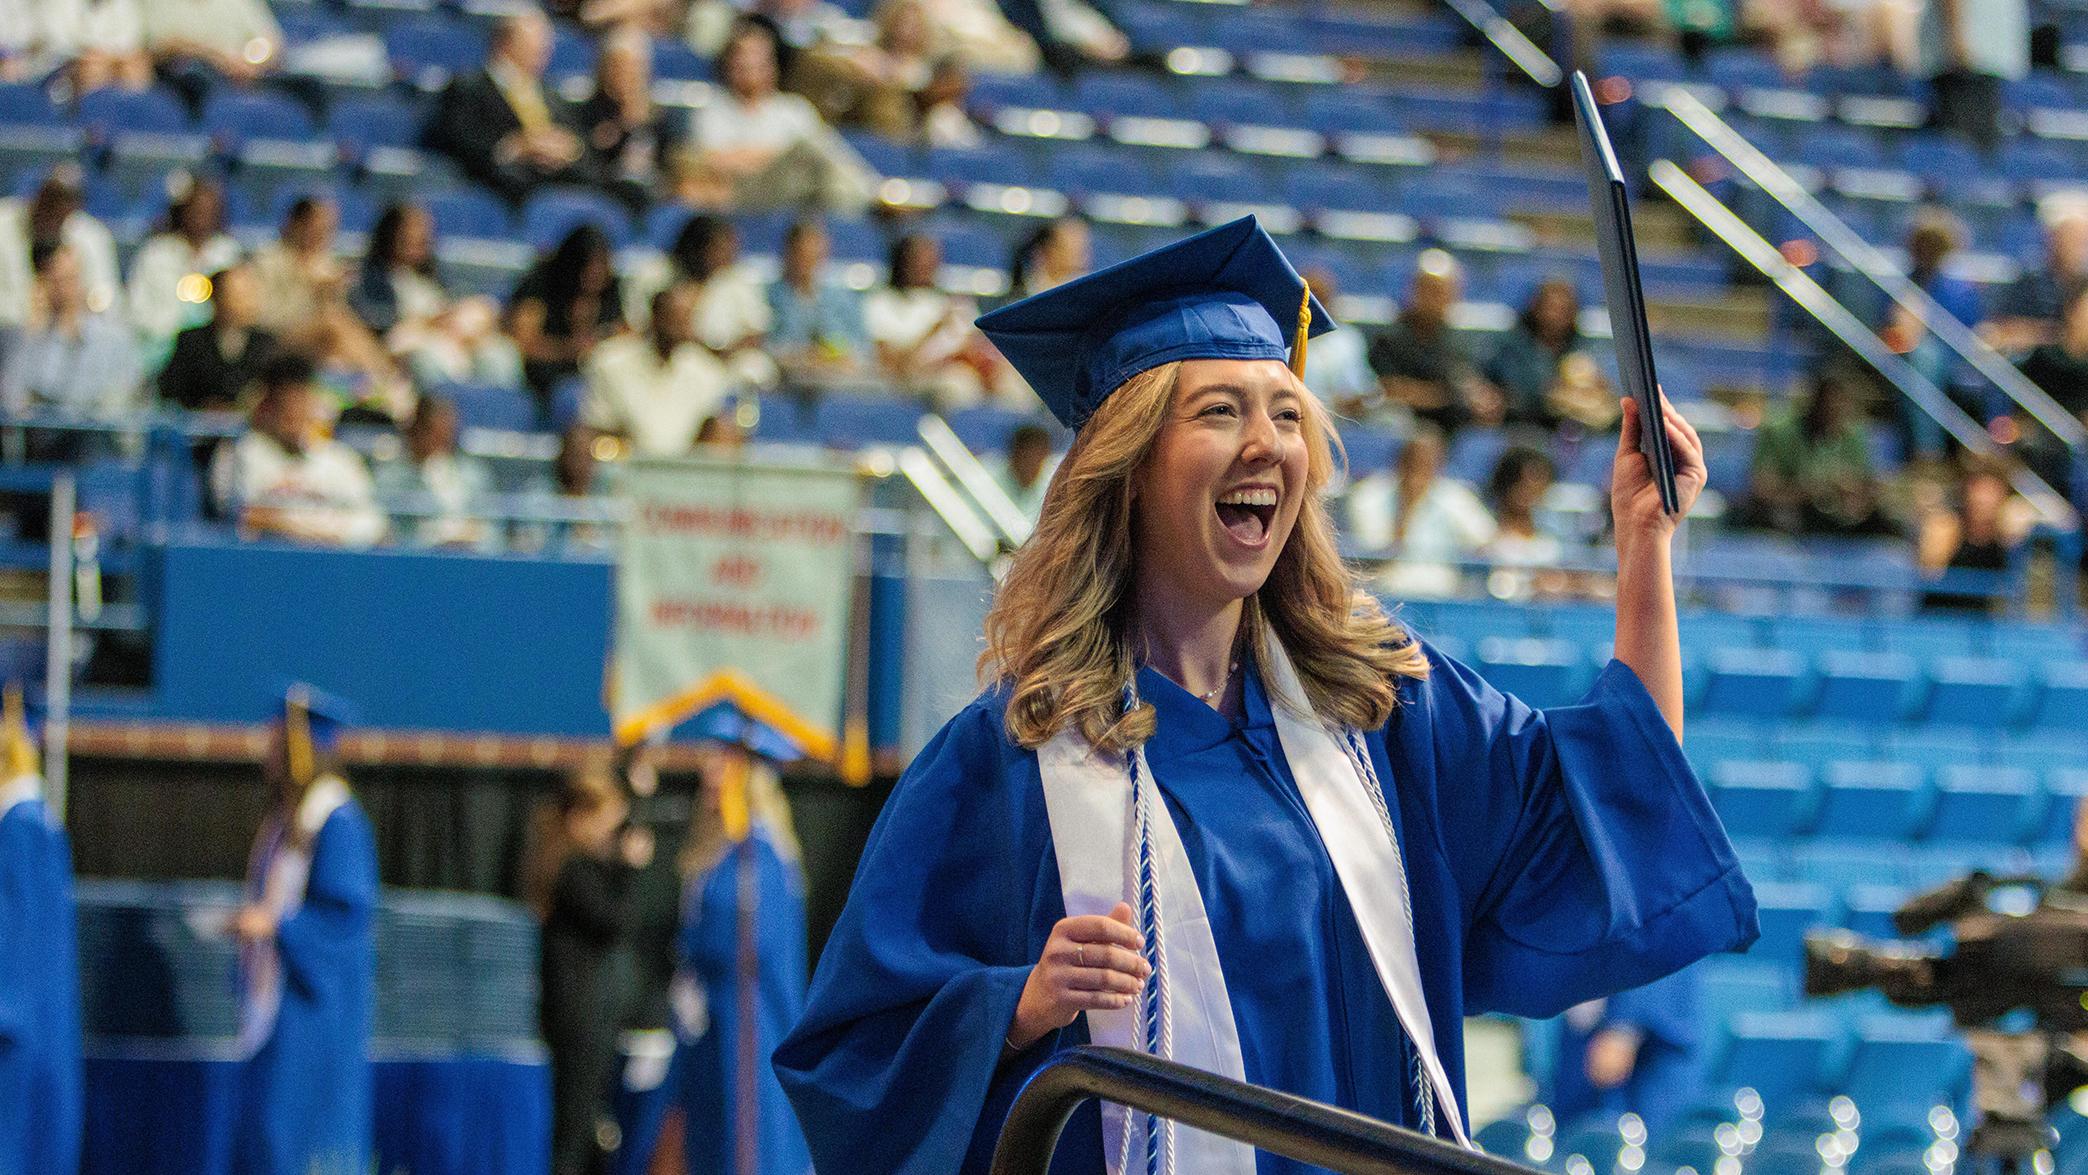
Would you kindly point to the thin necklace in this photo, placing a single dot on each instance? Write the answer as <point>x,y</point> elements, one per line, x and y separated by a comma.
<point>1207,695</point>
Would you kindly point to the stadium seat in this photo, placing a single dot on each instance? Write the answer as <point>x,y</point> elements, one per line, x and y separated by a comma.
<point>1982,803</point>
<point>468,213</point>
<point>1867,908</point>
<point>238,115</point>
<point>851,421</point>
<point>1863,686</point>
<point>1756,798</point>
<point>1788,910</point>
<point>490,407</point>
<point>550,213</point>
<point>1711,740</point>
<point>1731,986</point>
<point>430,49</point>
<point>2061,700</point>
<point>110,111</point>
<point>26,104</point>
<point>1973,691</point>
<point>1761,683</point>
<point>1839,862</point>
<point>370,120</point>
<point>1539,672</point>
<point>1777,1054</point>
<point>1869,799</point>
<point>1905,1063</point>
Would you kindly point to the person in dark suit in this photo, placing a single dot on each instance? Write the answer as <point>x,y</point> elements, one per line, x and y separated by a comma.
<point>213,363</point>
<point>502,125</point>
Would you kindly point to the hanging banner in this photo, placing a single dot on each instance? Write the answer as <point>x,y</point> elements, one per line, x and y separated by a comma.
<point>733,582</point>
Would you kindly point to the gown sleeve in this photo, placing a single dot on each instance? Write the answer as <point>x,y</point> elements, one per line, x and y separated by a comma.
<point>18,879</point>
<point>891,1066</point>
<point>1585,852</point>
<point>329,934</point>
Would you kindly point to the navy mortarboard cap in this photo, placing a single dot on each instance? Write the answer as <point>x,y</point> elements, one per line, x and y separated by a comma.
<point>312,721</point>
<point>1226,293</point>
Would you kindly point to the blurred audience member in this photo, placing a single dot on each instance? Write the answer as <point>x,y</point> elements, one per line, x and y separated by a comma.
<point>1423,365</point>
<point>1542,369</point>
<point>1026,470</point>
<point>894,84</point>
<point>198,43</point>
<point>567,302</point>
<point>1812,471</point>
<point>1337,365</point>
<point>756,147</point>
<point>925,340</point>
<point>816,330</point>
<point>630,138</point>
<point>567,497</point>
<point>1969,49</point>
<point>1071,33</point>
<point>977,35</point>
<point>720,434</point>
<point>399,295</point>
<point>304,303</point>
<point>286,478</point>
<point>586,910</point>
<point>101,41</point>
<point>732,315</point>
<point>1423,521</point>
<point>1514,492</point>
<point>2060,367</point>
<point>168,290</point>
<point>451,488</point>
<point>1637,1052</point>
<point>1981,531</point>
<point>2029,310</point>
<point>1060,250</point>
<point>803,28</point>
<point>212,365</point>
<point>66,358</point>
<point>502,124</point>
<point>1935,237</point>
<point>654,390</point>
<point>54,214</point>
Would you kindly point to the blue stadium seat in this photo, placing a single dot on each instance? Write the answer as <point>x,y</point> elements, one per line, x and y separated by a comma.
<point>490,407</point>
<point>1788,910</point>
<point>1761,683</point>
<point>1982,803</point>
<point>239,115</point>
<point>1711,740</point>
<point>1867,908</point>
<point>2064,788</point>
<point>2061,700</point>
<point>981,165</point>
<point>1110,95</point>
<point>1973,691</point>
<point>1841,862</point>
<point>1539,672</point>
<point>1938,746</point>
<point>362,121</point>
<point>1778,1054</point>
<point>1873,799</point>
<point>1760,798</point>
<point>1731,985</point>
<point>1863,686</point>
<point>433,46</point>
<point>852,421</point>
<point>110,110</point>
<point>1905,1062</point>
<point>550,213</point>
<point>1334,110</point>
<point>26,104</point>
<point>1368,449</point>
<point>468,213</point>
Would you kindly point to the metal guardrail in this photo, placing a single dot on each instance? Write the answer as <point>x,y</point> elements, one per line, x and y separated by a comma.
<point>2052,507</point>
<point>1279,1123</point>
<point>1511,42</point>
<point>1835,233</point>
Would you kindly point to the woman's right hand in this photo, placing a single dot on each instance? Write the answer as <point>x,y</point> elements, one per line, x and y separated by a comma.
<point>1089,962</point>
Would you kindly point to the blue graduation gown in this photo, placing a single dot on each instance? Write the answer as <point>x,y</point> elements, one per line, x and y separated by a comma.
<point>305,1096</point>
<point>1669,1073</point>
<point>40,1083</point>
<point>708,1067</point>
<point>1553,856</point>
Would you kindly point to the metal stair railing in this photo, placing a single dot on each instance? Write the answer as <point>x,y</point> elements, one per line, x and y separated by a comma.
<point>1280,1123</point>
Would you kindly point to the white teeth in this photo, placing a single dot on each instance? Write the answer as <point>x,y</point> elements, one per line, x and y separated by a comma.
<point>1249,498</point>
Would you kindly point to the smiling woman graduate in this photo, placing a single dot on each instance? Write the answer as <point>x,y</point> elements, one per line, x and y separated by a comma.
<point>1215,804</point>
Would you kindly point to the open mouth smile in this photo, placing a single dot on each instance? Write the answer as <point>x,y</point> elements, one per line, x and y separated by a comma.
<point>1247,513</point>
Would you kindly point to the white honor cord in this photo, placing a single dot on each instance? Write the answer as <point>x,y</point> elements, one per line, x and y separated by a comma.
<point>1155,1018</point>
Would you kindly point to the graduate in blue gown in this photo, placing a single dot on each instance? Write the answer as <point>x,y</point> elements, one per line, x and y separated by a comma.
<point>308,960</point>
<point>742,955</point>
<point>1215,804</point>
<point>1638,1052</point>
<point>39,969</point>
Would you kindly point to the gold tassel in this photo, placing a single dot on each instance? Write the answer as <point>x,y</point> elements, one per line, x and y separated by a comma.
<point>1304,332</point>
<point>297,736</point>
<point>735,806</point>
<point>14,727</point>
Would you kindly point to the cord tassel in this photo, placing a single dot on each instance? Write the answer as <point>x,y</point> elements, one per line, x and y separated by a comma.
<point>1297,363</point>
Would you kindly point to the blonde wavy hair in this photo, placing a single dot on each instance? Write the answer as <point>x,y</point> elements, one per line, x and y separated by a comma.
<point>1058,633</point>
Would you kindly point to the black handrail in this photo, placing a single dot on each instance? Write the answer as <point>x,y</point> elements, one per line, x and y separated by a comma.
<point>1279,1123</point>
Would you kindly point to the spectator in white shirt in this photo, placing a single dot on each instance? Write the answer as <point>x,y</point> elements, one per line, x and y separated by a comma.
<point>169,289</point>
<point>732,315</point>
<point>102,41</point>
<point>1423,520</point>
<point>399,296</point>
<point>285,478</point>
<point>926,343</point>
<point>67,358</point>
<point>445,489</point>
<point>54,214</point>
<point>756,147</point>
<point>197,42</point>
<point>656,389</point>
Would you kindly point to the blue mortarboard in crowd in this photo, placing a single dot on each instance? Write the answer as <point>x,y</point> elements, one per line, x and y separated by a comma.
<point>1226,293</point>
<point>727,721</point>
<point>312,721</point>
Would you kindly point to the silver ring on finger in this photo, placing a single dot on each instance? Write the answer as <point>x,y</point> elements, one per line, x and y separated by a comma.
<point>1080,954</point>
